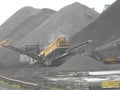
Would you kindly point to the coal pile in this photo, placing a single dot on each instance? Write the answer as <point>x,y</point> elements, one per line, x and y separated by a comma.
<point>105,28</point>
<point>65,22</point>
<point>78,23</point>
<point>22,28</point>
<point>16,19</point>
<point>44,27</point>
<point>84,63</point>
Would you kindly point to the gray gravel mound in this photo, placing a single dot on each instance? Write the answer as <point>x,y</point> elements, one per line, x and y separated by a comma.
<point>19,32</point>
<point>105,28</point>
<point>83,63</point>
<point>16,19</point>
<point>68,21</point>
<point>65,22</point>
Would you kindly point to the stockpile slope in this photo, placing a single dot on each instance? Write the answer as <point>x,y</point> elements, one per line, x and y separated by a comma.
<point>83,63</point>
<point>20,31</point>
<point>65,22</point>
<point>16,19</point>
<point>29,25</point>
<point>105,28</point>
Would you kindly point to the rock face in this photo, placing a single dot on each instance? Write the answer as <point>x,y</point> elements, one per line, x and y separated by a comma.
<point>24,24</point>
<point>83,63</point>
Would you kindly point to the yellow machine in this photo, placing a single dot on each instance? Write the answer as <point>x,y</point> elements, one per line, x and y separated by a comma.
<point>110,84</point>
<point>51,55</point>
<point>59,43</point>
<point>111,60</point>
<point>47,56</point>
<point>5,42</point>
